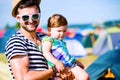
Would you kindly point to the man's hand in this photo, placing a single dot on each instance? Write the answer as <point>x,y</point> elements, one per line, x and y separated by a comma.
<point>67,74</point>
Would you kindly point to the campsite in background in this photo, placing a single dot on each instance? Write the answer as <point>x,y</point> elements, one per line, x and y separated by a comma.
<point>96,38</point>
<point>83,41</point>
<point>93,35</point>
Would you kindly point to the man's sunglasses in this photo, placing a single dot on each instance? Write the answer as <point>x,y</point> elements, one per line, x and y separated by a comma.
<point>34,17</point>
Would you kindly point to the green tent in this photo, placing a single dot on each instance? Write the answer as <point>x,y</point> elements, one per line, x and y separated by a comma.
<point>109,60</point>
<point>89,40</point>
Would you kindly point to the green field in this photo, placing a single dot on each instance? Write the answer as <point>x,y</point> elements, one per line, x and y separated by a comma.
<point>5,74</point>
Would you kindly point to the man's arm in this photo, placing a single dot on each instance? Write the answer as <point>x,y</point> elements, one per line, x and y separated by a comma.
<point>20,68</point>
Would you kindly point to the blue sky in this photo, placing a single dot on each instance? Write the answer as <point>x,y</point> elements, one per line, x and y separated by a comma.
<point>76,11</point>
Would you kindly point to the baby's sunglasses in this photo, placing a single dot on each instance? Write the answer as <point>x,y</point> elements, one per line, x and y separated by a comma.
<point>34,17</point>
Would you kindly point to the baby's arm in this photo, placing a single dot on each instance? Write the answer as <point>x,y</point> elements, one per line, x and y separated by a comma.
<point>46,47</point>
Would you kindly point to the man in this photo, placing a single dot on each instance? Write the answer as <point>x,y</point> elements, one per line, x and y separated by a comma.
<point>25,60</point>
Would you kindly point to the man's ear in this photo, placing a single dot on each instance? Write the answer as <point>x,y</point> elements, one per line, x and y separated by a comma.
<point>17,18</point>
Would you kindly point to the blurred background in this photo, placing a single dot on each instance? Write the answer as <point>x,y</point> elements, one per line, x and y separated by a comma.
<point>90,24</point>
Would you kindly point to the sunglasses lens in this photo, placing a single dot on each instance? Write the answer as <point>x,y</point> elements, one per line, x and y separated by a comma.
<point>35,16</point>
<point>25,18</point>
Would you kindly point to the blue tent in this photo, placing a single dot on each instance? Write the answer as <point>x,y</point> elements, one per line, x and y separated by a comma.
<point>8,33</point>
<point>109,60</point>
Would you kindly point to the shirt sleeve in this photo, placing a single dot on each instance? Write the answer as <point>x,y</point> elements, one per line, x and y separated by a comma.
<point>15,47</point>
<point>46,38</point>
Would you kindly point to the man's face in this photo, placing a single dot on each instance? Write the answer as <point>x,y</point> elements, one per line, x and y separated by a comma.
<point>29,18</point>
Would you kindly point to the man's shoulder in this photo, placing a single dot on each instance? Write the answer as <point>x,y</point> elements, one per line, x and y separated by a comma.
<point>41,35</point>
<point>14,37</point>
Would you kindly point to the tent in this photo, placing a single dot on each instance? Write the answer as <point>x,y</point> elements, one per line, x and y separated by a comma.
<point>73,42</point>
<point>2,33</point>
<point>89,40</point>
<point>109,60</point>
<point>107,40</point>
<point>75,48</point>
<point>8,33</point>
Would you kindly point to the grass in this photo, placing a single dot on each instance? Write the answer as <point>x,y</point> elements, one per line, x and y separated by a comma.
<point>3,58</point>
<point>5,73</point>
<point>4,70</point>
<point>87,60</point>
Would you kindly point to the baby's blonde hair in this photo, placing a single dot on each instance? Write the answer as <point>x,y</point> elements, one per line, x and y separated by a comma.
<point>56,20</point>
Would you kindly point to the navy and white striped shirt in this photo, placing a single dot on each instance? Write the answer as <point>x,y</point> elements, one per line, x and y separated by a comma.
<point>20,45</point>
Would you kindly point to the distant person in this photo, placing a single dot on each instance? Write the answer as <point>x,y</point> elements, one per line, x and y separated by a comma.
<point>55,50</point>
<point>25,60</point>
<point>98,30</point>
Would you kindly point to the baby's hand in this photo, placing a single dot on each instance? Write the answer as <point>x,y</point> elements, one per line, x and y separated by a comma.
<point>59,66</point>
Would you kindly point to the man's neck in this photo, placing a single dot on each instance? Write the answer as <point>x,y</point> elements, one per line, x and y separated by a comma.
<point>30,35</point>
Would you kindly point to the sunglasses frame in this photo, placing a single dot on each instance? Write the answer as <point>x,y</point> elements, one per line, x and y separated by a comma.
<point>30,16</point>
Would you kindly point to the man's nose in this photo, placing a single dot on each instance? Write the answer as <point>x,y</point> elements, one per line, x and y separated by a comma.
<point>30,19</point>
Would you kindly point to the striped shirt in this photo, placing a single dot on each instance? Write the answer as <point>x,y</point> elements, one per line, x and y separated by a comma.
<point>20,45</point>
